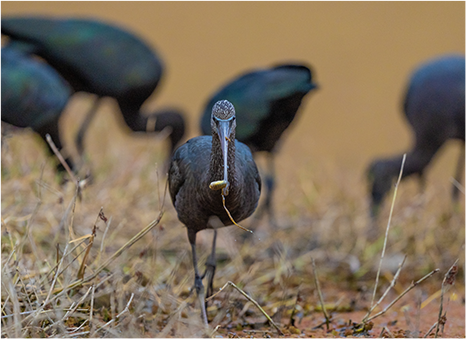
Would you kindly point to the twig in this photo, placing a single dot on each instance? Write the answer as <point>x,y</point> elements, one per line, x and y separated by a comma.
<point>386,291</point>
<point>385,329</point>
<point>119,314</point>
<point>172,319</point>
<point>60,158</point>
<point>430,330</point>
<point>54,279</point>
<point>316,280</point>
<point>115,255</point>
<point>107,226</point>
<point>82,268</point>
<point>293,312</point>
<point>388,228</point>
<point>231,218</point>
<point>229,283</point>
<point>72,309</point>
<point>413,284</point>
<point>448,281</point>
<point>91,312</point>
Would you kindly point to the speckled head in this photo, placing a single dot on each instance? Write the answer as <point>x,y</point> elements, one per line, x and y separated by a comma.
<point>223,109</point>
<point>223,120</point>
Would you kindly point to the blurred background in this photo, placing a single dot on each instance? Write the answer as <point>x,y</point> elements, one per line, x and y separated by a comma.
<point>362,54</point>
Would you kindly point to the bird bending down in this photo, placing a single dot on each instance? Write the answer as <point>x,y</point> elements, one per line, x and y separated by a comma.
<point>102,59</point>
<point>434,106</point>
<point>33,95</point>
<point>266,102</point>
<point>206,160</point>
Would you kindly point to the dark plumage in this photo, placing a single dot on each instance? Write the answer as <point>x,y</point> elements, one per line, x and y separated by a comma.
<point>434,106</point>
<point>198,163</point>
<point>102,59</point>
<point>33,95</point>
<point>266,102</point>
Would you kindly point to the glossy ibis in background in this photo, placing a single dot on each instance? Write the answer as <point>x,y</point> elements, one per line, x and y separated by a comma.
<point>102,59</point>
<point>434,106</point>
<point>33,95</point>
<point>266,102</point>
<point>207,160</point>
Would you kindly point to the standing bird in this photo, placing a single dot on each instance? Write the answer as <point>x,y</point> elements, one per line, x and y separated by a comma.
<point>266,102</point>
<point>102,59</point>
<point>33,95</point>
<point>202,167</point>
<point>434,106</point>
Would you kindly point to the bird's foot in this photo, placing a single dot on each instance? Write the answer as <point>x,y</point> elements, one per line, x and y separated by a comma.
<point>199,287</point>
<point>209,273</point>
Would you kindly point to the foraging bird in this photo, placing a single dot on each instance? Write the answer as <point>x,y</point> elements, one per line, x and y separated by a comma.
<point>33,95</point>
<point>266,102</point>
<point>202,170</point>
<point>434,106</point>
<point>102,59</point>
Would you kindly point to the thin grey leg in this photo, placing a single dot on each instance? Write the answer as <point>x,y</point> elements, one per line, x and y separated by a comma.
<point>79,140</point>
<point>197,278</point>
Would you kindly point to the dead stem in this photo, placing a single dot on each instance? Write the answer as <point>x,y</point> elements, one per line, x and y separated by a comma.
<point>61,159</point>
<point>413,284</point>
<point>82,268</point>
<point>447,282</point>
<point>316,281</point>
<point>386,291</point>
<point>229,283</point>
<point>388,228</point>
<point>231,218</point>
<point>430,330</point>
<point>172,319</point>
<point>385,329</point>
<point>80,282</point>
<point>126,309</point>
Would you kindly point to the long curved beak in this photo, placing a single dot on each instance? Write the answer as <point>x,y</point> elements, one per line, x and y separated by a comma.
<point>224,131</point>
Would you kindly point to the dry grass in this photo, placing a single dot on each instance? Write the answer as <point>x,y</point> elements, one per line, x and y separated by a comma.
<point>50,239</point>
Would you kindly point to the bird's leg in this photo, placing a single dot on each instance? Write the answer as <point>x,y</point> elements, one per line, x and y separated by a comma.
<point>270,185</point>
<point>197,278</point>
<point>79,140</point>
<point>210,267</point>
<point>458,176</point>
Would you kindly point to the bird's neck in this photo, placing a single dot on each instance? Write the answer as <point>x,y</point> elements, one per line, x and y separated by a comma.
<point>216,171</point>
<point>133,118</point>
<point>416,161</point>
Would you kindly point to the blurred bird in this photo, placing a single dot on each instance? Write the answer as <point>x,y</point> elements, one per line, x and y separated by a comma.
<point>266,102</point>
<point>203,170</point>
<point>102,59</point>
<point>434,106</point>
<point>33,95</point>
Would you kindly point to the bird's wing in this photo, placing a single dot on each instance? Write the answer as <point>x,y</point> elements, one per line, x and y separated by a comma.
<point>248,165</point>
<point>176,177</point>
<point>96,50</point>
<point>33,93</point>
<point>253,93</point>
<point>189,164</point>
